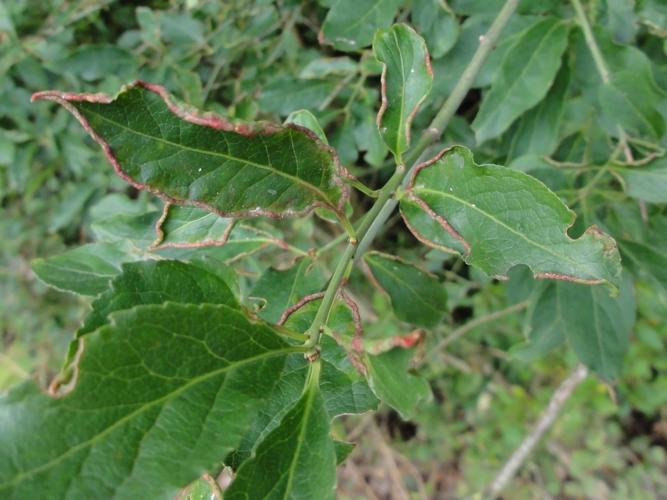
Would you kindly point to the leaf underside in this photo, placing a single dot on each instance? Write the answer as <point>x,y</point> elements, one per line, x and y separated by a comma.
<point>497,218</point>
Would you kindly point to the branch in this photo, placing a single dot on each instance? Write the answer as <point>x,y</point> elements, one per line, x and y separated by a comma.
<point>546,420</point>
<point>384,205</point>
<point>433,132</point>
<point>470,325</point>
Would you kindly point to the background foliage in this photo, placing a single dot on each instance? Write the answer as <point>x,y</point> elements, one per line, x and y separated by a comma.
<point>539,105</point>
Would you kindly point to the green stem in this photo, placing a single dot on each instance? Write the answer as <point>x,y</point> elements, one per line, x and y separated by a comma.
<point>600,63</point>
<point>384,205</point>
<point>441,121</point>
<point>487,43</point>
<point>315,330</point>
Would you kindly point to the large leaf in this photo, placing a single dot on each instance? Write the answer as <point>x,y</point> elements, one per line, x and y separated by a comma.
<point>155,282</point>
<point>498,217</point>
<point>596,326</point>
<point>85,270</point>
<point>526,73</point>
<point>406,81</point>
<point>202,160</point>
<point>648,182</point>
<point>160,395</point>
<point>416,296</point>
<point>297,459</point>
<point>351,24</point>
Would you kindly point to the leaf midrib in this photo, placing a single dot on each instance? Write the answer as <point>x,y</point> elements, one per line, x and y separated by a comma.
<point>503,224</point>
<point>98,437</point>
<point>270,168</point>
<point>302,431</point>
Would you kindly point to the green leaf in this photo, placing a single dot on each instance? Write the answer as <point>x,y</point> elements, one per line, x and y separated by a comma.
<point>306,119</point>
<point>647,182</point>
<point>647,261</point>
<point>539,132</point>
<point>161,394</point>
<point>343,450</point>
<point>416,296</point>
<point>280,289</point>
<point>388,377</point>
<point>155,282</point>
<point>437,25</point>
<point>351,24</point>
<point>526,73</point>
<point>85,270</point>
<point>192,227</point>
<point>496,218</point>
<point>596,326</point>
<point>297,459</point>
<point>94,62</point>
<point>201,160</point>
<point>406,81</point>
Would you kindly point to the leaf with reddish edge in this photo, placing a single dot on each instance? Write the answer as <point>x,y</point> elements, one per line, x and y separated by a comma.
<point>406,81</point>
<point>497,217</point>
<point>188,158</point>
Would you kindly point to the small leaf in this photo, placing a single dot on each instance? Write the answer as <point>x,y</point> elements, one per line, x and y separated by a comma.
<point>191,227</point>
<point>647,261</point>
<point>304,118</point>
<point>351,24</point>
<point>406,81</point>
<point>539,132</point>
<point>648,182</point>
<point>596,326</point>
<point>416,296</point>
<point>280,289</point>
<point>343,450</point>
<point>297,459</point>
<point>85,270</point>
<point>388,377</point>
<point>201,160</point>
<point>496,218</point>
<point>437,25</point>
<point>526,73</point>
<point>160,394</point>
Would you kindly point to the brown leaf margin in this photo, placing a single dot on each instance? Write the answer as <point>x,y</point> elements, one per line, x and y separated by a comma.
<point>609,244</point>
<point>383,89</point>
<point>204,119</point>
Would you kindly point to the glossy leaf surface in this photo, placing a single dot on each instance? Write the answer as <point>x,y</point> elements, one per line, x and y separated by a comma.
<point>497,217</point>
<point>202,160</point>
<point>406,81</point>
<point>526,73</point>
<point>416,296</point>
